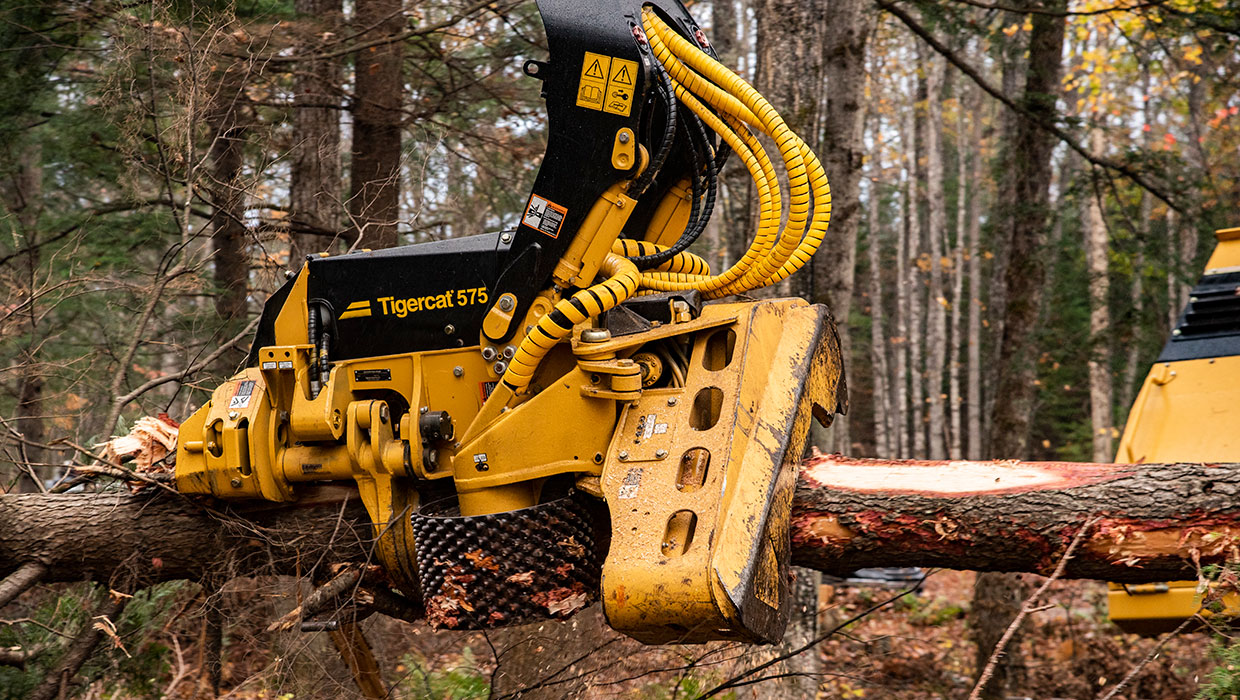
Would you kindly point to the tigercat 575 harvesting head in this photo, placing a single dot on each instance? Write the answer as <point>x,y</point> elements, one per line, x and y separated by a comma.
<point>1195,383</point>
<point>562,412</point>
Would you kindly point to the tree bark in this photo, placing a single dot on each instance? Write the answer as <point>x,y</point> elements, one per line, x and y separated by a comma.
<point>376,156</point>
<point>936,231</point>
<point>230,259</point>
<point>23,196</point>
<point>917,445</point>
<point>735,196</point>
<point>1023,208</point>
<point>956,402</point>
<point>902,341</point>
<point>881,402</point>
<point>973,400</point>
<point>844,36</point>
<point>1097,262</point>
<point>163,537</point>
<point>1147,523</point>
<point>314,190</point>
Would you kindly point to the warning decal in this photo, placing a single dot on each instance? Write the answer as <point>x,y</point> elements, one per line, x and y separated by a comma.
<point>544,215</point>
<point>241,399</point>
<point>632,483</point>
<point>607,84</point>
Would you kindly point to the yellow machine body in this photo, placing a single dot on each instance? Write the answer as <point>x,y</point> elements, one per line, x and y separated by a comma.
<point>535,381</point>
<point>1180,415</point>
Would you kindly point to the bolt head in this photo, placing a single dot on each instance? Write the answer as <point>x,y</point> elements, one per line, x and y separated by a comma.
<point>509,352</point>
<point>660,453</point>
<point>624,454</point>
<point>449,329</point>
<point>488,353</point>
<point>458,371</point>
<point>233,415</point>
<point>505,237</point>
<point>672,401</point>
<point>500,367</point>
<point>505,303</point>
<point>236,483</point>
<point>595,335</point>
<point>623,137</point>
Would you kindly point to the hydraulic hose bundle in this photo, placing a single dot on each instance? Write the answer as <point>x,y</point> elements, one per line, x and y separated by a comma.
<point>730,107</point>
<point>718,99</point>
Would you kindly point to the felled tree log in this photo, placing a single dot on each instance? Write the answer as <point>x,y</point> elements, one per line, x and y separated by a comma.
<point>1145,523</point>
<point>147,538</point>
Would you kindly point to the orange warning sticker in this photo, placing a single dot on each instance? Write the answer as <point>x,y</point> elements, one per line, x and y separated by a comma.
<point>607,84</point>
<point>544,215</point>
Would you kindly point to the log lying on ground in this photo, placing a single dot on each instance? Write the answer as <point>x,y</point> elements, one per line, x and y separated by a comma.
<point>1146,523</point>
<point>1149,523</point>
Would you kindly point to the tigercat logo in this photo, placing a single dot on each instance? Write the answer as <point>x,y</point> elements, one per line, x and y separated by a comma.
<point>392,306</point>
<point>357,309</point>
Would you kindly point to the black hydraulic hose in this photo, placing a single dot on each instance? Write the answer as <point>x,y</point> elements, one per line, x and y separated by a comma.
<point>697,218</point>
<point>668,94</point>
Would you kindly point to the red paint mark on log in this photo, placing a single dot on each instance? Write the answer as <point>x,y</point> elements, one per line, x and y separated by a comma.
<point>953,479</point>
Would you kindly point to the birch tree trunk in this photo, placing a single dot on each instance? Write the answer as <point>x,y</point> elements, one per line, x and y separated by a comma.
<point>314,191</point>
<point>1174,268</point>
<point>376,153</point>
<point>900,344</point>
<point>915,295</point>
<point>1097,264</point>
<point>956,447</point>
<point>881,402</point>
<point>973,401</point>
<point>936,303</point>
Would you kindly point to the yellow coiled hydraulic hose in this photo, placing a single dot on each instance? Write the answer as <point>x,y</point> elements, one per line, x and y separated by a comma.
<point>770,259</point>
<point>621,283</point>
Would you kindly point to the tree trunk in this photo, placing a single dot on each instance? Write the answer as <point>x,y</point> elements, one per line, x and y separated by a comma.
<point>936,304</point>
<point>881,402</point>
<point>1023,207</point>
<point>1150,522</point>
<point>314,191</point>
<point>915,305</point>
<point>1096,259</point>
<point>1173,268</point>
<point>379,90</point>
<point>23,196</point>
<point>1013,81</point>
<point>956,447</point>
<point>844,36</point>
<point>902,341</point>
<point>229,236</point>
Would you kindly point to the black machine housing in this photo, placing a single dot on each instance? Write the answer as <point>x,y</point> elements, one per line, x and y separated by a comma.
<point>577,168</point>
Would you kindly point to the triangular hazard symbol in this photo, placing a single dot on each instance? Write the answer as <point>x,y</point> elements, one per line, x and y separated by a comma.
<point>595,71</point>
<point>623,77</point>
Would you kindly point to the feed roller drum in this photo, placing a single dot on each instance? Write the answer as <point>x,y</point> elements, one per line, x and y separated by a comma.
<point>506,568</point>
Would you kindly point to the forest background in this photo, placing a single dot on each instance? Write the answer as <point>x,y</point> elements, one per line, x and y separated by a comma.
<point>1024,193</point>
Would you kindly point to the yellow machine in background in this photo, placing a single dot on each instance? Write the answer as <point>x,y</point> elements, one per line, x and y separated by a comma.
<point>1188,410</point>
